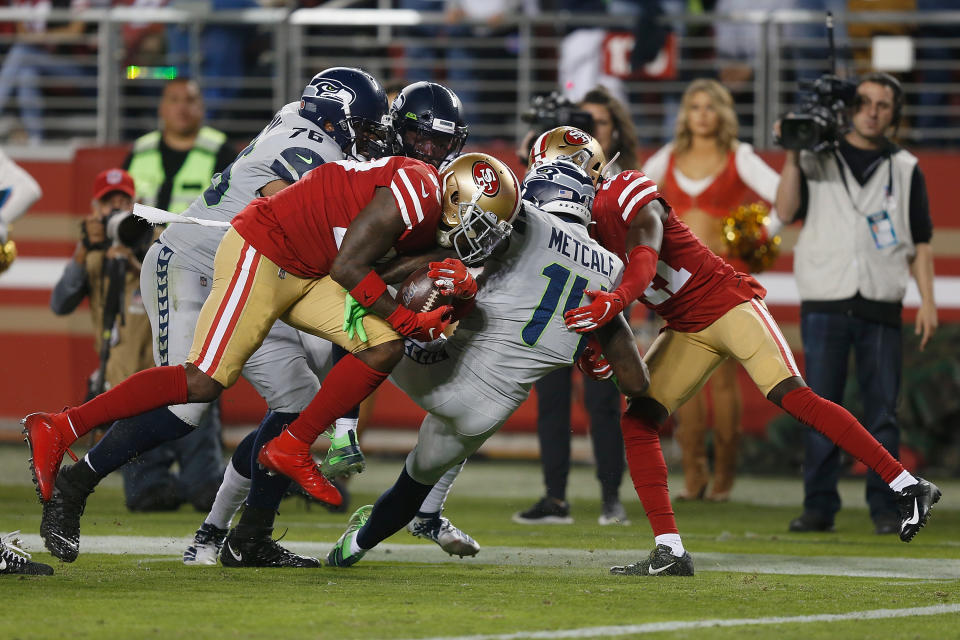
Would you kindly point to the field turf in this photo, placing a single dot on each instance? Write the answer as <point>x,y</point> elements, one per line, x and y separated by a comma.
<point>754,579</point>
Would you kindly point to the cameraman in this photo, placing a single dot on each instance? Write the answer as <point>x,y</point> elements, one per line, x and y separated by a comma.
<point>85,275</point>
<point>866,227</point>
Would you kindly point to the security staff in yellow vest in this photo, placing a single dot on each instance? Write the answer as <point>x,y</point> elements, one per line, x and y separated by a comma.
<point>866,229</point>
<point>173,165</point>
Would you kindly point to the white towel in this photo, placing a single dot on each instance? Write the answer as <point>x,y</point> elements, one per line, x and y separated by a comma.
<point>159,216</point>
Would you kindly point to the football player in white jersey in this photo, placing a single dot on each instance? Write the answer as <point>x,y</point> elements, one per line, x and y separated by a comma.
<point>343,111</point>
<point>513,336</point>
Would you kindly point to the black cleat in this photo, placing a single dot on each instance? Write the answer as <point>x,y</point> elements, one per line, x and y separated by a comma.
<point>60,525</point>
<point>14,560</point>
<point>915,503</point>
<point>546,511</point>
<point>809,521</point>
<point>660,562</point>
<point>261,551</point>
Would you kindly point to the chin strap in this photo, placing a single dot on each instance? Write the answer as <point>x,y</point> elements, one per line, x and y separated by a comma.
<point>603,169</point>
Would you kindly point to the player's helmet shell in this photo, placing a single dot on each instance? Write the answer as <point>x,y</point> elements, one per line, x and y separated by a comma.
<point>428,120</point>
<point>572,144</point>
<point>560,187</point>
<point>481,197</point>
<point>355,105</point>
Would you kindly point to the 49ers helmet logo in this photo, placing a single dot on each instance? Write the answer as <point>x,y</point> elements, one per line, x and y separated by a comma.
<point>485,177</point>
<point>576,137</point>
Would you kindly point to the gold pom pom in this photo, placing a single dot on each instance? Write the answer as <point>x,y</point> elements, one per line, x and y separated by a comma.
<point>746,237</point>
<point>8,253</point>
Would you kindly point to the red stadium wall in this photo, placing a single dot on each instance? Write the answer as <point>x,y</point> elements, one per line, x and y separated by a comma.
<point>48,359</point>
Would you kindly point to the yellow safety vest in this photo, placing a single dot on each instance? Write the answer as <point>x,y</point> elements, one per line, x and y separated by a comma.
<point>146,167</point>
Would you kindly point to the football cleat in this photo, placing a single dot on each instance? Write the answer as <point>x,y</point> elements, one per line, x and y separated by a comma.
<point>441,530</point>
<point>340,555</point>
<point>660,562</point>
<point>287,455</point>
<point>344,457</point>
<point>261,550</point>
<point>613,513</point>
<point>915,503</point>
<point>49,436</point>
<point>206,546</point>
<point>545,511</point>
<point>60,524</point>
<point>14,560</point>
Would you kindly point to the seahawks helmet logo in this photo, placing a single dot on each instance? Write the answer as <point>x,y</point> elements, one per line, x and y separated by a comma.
<point>330,89</point>
<point>485,177</point>
<point>576,137</point>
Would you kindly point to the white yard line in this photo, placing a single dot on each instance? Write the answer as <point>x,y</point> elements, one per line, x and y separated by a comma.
<point>427,553</point>
<point>678,625</point>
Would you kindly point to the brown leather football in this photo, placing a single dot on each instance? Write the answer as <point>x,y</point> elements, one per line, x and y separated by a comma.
<point>419,294</point>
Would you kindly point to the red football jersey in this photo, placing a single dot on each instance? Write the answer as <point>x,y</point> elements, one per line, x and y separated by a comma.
<point>693,286</point>
<point>301,227</point>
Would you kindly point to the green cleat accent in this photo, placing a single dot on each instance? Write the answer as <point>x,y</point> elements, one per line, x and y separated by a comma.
<point>340,555</point>
<point>344,457</point>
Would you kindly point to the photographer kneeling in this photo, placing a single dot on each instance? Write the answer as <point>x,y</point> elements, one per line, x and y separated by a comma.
<point>866,227</point>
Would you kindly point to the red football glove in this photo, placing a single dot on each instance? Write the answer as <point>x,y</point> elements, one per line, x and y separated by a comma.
<point>604,307</point>
<point>594,364</point>
<point>426,326</point>
<point>453,278</point>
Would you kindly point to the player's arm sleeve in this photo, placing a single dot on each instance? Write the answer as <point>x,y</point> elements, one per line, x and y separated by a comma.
<point>18,191</point>
<point>921,224</point>
<point>70,290</point>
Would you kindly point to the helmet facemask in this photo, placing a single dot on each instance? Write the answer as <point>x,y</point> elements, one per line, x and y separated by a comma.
<point>476,232</point>
<point>369,140</point>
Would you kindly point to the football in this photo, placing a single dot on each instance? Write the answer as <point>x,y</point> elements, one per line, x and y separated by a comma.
<point>419,294</point>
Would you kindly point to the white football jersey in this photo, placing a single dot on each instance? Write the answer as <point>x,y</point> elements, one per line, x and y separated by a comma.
<point>287,149</point>
<point>516,333</point>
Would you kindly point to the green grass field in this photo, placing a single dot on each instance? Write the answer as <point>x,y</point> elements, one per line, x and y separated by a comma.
<point>754,579</point>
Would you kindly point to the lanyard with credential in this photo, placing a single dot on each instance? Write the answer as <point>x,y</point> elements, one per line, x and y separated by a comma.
<point>881,226</point>
<point>888,191</point>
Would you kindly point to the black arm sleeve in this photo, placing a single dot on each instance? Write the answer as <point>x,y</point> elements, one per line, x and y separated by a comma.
<point>801,213</point>
<point>921,225</point>
<point>225,155</point>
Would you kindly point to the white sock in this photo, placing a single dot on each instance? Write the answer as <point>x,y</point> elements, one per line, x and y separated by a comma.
<point>672,540</point>
<point>434,501</point>
<point>230,496</point>
<point>355,546</point>
<point>902,481</point>
<point>343,426</point>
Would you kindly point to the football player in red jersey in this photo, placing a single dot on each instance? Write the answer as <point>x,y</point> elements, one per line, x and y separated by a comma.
<point>294,256</point>
<point>712,312</point>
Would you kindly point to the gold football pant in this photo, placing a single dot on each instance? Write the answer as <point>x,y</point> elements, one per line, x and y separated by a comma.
<point>250,292</point>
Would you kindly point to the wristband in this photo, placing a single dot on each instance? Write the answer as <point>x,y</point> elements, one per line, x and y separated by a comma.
<point>638,273</point>
<point>369,289</point>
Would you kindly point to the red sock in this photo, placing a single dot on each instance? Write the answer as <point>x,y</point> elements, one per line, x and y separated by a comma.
<point>347,384</point>
<point>843,429</point>
<point>141,392</point>
<point>649,472</point>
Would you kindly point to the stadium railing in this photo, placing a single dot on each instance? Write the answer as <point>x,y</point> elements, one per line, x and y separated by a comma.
<point>105,91</point>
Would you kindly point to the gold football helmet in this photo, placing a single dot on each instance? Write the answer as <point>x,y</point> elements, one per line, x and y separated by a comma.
<point>569,143</point>
<point>481,196</point>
